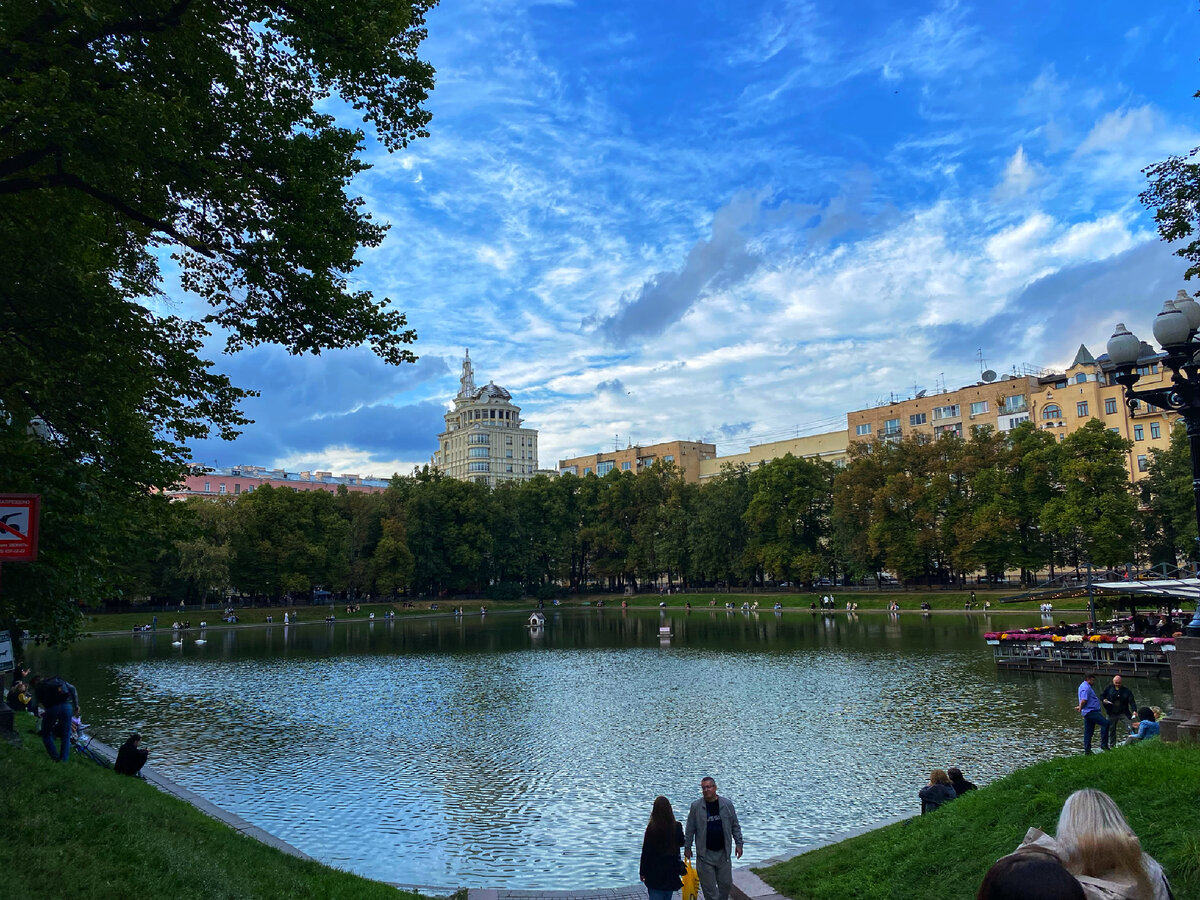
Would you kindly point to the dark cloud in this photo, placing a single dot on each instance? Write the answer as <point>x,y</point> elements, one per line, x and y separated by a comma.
<point>726,259</point>
<point>615,386</point>
<point>1128,285</point>
<point>733,429</point>
<point>340,398</point>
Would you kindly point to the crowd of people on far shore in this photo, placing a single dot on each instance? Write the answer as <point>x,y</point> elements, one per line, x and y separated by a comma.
<point>54,703</point>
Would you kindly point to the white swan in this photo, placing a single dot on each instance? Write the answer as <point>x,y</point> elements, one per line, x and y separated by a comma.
<point>176,643</point>
<point>201,641</point>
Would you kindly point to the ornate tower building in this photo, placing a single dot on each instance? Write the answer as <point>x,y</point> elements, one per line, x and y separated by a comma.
<point>484,440</point>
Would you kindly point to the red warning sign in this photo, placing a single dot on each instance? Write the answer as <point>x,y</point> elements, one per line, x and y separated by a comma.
<point>19,515</point>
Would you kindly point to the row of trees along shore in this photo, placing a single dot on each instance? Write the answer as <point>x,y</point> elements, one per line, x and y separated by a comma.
<point>930,512</point>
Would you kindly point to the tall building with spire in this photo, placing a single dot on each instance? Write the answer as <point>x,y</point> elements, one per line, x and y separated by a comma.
<point>484,440</point>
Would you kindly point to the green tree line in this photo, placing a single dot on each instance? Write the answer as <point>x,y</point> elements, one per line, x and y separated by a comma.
<point>925,511</point>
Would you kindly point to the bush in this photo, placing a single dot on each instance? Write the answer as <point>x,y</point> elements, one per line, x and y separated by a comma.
<point>505,590</point>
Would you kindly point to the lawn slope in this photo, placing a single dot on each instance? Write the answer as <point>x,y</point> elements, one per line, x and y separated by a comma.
<point>945,854</point>
<point>80,831</point>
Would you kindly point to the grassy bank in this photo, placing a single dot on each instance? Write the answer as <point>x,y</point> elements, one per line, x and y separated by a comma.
<point>80,831</point>
<point>945,854</point>
<point>909,601</point>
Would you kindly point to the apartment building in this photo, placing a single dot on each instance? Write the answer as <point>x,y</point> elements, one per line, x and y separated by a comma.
<point>485,440</point>
<point>686,455</point>
<point>233,481</point>
<point>830,446</point>
<point>1061,402</point>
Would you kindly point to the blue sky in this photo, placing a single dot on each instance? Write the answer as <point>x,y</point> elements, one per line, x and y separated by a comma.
<point>737,221</point>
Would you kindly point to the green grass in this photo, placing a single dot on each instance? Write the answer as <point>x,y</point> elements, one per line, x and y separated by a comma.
<point>80,831</point>
<point>945,854</point>
<point>909,601</point>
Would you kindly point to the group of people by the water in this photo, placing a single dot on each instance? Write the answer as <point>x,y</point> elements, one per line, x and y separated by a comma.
<point>712,828</point>
<point>1093,855</point>
<point>944,785</point>
<point>1115,713</point>
<point>54,703</point>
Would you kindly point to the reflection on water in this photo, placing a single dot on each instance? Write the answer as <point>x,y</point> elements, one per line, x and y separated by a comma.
<point>472,753</point>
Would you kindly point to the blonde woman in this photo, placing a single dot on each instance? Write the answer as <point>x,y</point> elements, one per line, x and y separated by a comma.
<point>1098,847</point>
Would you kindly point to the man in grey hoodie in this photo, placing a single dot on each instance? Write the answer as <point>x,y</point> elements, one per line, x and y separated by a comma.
<point>713,824</point>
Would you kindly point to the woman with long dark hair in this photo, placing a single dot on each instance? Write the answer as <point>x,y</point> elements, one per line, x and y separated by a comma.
<point>661,867</point>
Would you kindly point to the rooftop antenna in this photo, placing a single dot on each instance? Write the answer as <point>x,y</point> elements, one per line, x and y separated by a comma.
<point>982,361</point>
<point>616,442</point>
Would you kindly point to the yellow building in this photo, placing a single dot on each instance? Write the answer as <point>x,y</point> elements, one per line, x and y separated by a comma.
<point>1062,402</point>
<point>686,455</point>
<point>830,446</point>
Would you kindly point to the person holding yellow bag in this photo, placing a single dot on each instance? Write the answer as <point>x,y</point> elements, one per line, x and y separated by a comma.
<point>660,868</point>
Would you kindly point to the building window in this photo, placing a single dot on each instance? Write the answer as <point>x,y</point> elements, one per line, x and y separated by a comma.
<point>1139,433</point>
<point>1081,408</point>
<point>1155,430</point>
<point>1142,464</point>
<point>508,454</point>
<point>221,488</point>
<point>604,467</point>
<point>1051,411</point>
<point>508,468</point>
<point>237,489</point>
<point>864,428</point>
<point>478,452</point>
<point>952,428</point>
<point>208,487</point>
<point>668,458</point>
<point>625,466</point>
<point>569,470</point>
<point>1059,385</point>
<point>1016,420</point>
<point>477,467</point>
<point>1151,369</point>
<point>1110,406</point>
<point>1015,403</point>
<point>891,426</point>
<point>587,470</point>
<point>478,437</point>
<point>946,412</point>
<point>916,419</point>
<point>1081,378</point>
<point>1115,430</point>
<point>508,440</point>
<point>978,407</point>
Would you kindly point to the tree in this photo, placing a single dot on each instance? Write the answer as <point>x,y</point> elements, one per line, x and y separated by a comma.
<point>787,517</point>
<point>1092,513</point>
<point>190,127</point>
<point>1169,501</point>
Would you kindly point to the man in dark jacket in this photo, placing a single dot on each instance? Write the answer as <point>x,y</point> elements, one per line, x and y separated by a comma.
<point>1117,702</point>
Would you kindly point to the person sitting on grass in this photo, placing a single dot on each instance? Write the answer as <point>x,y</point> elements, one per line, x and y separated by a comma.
<point>1147,726</point>
<point>938,791</point>
<point>1098,847</point>
<point>131,757</point>
<point>1032,874</point>
<point>20,698</point>
<point>960,784</point>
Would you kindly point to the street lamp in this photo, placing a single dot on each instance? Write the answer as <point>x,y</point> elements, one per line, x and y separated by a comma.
<point>1175,328</point>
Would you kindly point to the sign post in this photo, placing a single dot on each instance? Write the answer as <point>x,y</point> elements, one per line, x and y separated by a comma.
<point>19,515</point>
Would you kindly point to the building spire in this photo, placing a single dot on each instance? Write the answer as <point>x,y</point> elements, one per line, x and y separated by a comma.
<point>466,382</point>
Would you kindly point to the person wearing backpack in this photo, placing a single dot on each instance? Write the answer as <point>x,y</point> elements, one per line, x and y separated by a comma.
<point>60,702</point>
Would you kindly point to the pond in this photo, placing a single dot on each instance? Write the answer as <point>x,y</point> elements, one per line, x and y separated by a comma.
<point>474,752</point>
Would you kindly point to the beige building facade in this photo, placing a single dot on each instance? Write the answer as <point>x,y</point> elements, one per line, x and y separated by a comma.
<point>688,456</point>
<point>830,446</point>
<point>1057,402</point>
<point>485,440</point>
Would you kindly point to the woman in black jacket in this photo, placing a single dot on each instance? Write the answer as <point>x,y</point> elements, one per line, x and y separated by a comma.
<point>661,866</point>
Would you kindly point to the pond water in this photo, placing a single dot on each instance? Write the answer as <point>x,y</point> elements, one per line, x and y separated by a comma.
<point>472,752</point>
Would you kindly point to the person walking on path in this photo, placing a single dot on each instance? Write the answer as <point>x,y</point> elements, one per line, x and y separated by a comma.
<point>712,823</point>
<point>1089,708</point>
<point>60,701</point>
<point>660,867</point>
<point>1117,701</point>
